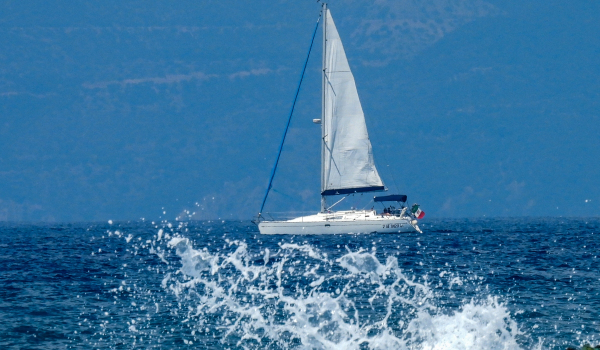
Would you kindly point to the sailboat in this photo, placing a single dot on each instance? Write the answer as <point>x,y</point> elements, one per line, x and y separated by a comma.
<point>347,165</point>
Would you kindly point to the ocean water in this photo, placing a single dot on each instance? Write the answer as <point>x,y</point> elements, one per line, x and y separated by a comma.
<point>526,283</point>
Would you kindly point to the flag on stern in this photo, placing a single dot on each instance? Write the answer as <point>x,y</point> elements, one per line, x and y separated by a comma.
<point>417,212</point>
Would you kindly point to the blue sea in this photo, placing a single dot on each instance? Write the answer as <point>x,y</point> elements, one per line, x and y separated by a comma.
<point>524,283</point>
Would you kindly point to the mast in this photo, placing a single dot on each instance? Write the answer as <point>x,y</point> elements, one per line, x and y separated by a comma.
<point>323,150</point>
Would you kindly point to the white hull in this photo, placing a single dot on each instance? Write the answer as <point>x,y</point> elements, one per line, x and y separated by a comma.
<point>338,223</point>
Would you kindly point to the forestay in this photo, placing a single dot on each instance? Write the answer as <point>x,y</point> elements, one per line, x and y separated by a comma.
<point>347,164</point>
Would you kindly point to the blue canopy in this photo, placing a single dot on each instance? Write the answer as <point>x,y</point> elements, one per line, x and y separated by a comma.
<point>391,198</point>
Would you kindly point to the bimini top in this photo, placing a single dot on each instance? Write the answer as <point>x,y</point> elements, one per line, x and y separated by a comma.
<point>391,198</point>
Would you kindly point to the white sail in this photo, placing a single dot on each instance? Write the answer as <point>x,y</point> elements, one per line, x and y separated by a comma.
<point>347,158</point>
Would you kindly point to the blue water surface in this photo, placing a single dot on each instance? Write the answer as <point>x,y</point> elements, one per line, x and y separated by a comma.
<point>515,283</point>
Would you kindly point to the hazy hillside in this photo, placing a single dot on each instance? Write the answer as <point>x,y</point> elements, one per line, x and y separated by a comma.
<point>117,110</point>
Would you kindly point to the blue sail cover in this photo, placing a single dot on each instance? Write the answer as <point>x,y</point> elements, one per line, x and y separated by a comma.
<point>352,190</point>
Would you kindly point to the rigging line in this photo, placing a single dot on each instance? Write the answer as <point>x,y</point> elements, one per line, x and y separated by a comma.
<point>284,194</point>
<point>371,201</point>
<point>289,118</point>
<point>387,165</point>
<point>331,154</point>
<point>329,83</point>
<point>336,203</point>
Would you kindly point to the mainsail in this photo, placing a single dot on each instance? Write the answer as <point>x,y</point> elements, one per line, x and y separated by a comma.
<point>347,164</point>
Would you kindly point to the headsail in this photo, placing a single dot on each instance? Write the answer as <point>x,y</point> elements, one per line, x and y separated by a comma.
<point>347,164</point>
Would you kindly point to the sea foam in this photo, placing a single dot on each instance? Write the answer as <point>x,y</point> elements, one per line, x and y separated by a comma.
<point>297,298</point>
